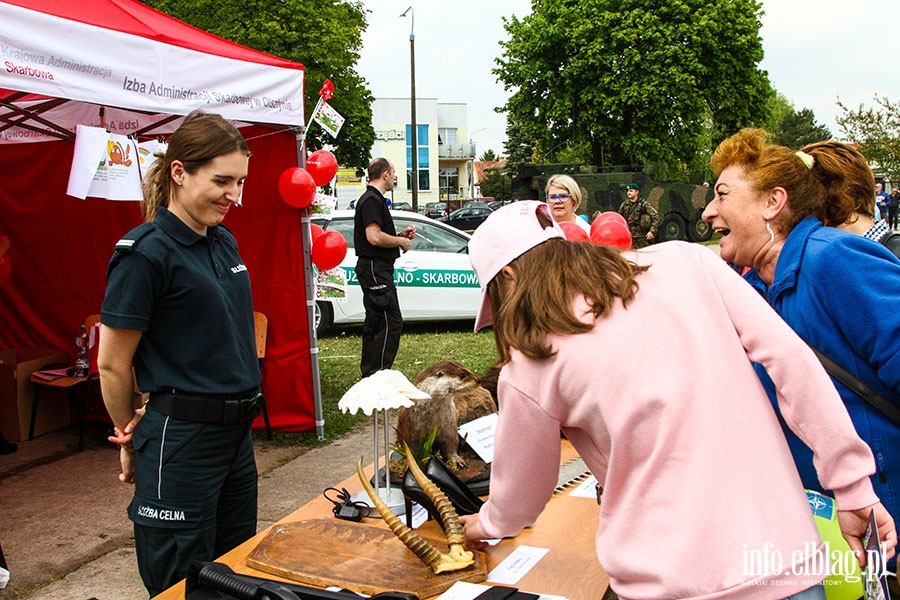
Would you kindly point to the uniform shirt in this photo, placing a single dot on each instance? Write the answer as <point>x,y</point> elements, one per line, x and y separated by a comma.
<point>641,217</point>
<point>677,429</point>
<point>190,296</point>
<point>372,208</point>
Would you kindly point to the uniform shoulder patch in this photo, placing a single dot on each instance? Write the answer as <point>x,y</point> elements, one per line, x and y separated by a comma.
<point>133,237</point>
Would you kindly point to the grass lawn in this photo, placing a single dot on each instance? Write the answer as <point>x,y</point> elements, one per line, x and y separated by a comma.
<point>421,345</point>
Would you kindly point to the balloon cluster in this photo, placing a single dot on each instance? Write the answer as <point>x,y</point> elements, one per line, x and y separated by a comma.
<point>297,187</point>
<point>608,229</point>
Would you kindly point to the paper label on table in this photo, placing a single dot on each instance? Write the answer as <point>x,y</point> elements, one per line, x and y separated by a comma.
<point>479,434</point>
<point>463,590</point>
<point>587,489</point>
<point>516,565</point>
<point>419,515</point>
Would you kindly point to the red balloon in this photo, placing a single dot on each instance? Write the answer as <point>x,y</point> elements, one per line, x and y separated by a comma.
<point>5,268</point>
<point>297,187</point>
<point>611,233</point>
<point>314,232</point>
<point>574,232</point>
<point>609,215</point>
<point>329,250</point>
<point>322,165</point>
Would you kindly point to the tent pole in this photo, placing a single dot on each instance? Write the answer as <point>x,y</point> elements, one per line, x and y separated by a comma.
<point>310,296</point>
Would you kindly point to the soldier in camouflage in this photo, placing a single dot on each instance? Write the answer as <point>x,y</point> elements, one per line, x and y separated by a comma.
<point>643,219</point>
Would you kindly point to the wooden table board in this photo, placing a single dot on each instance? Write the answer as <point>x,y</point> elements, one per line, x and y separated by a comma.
<point>361,558</point>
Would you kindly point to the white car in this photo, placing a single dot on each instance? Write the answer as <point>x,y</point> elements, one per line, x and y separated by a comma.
<point>435,280</point>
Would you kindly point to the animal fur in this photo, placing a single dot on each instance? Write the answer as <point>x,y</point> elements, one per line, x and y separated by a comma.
<point>456,398</point>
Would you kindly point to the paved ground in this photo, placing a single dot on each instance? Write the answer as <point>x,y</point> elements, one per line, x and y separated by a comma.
<point>63,527</point>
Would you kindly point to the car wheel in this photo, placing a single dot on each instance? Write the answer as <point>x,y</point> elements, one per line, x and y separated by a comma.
<point>700,230</point>
<point>323,318</point>
<point>672,228</point>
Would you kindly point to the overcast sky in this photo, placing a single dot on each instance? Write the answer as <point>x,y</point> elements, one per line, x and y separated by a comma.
<point>815,52</point>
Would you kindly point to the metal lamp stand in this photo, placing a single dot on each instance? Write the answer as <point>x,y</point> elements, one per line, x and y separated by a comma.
<point>392,497</point>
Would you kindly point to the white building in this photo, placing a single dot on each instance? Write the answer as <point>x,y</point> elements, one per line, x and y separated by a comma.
<point>445,155</point>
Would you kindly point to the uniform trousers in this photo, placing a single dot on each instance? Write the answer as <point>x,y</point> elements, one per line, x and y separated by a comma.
<point>384,321</point>
<point>195,494</point>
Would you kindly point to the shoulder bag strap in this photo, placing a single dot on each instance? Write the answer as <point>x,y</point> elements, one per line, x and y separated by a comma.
<point>882,404</point>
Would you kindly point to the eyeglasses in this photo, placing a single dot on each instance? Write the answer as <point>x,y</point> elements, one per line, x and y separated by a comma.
<point>558,198</point>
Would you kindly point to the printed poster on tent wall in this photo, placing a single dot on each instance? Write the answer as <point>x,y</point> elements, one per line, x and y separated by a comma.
<point>109,165</point>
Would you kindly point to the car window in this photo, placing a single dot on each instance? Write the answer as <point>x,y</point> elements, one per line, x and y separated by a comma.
<point>432,238</point>
<point>344,227</point>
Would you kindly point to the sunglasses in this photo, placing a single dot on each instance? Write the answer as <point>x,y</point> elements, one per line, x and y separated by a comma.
<point>558,198</point>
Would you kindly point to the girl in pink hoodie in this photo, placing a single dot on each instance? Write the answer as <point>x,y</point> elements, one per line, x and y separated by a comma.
<point>643,360</point>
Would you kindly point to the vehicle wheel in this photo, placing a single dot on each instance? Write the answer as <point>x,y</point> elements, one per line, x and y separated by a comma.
<point>323,318</point>
<point>700,230</point>
<point>671,228</point>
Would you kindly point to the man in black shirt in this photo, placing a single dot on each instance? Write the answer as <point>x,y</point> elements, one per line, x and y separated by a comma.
<point>377,247</point>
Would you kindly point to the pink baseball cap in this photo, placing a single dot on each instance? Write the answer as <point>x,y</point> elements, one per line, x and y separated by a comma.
<point>508,233</point>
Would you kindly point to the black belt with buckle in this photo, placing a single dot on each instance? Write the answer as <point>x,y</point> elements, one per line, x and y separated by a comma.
<point>222,410</point>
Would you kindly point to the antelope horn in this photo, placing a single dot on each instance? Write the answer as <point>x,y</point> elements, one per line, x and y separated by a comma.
<point>458,558</point>
<point>449,518</point>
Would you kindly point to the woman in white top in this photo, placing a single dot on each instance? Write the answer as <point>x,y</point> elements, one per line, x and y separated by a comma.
<point>564,197</point>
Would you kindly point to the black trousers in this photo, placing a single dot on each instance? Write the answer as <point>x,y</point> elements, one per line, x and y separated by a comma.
<point>892,216</point>
<point>195,494</point>
<point>384,321</point>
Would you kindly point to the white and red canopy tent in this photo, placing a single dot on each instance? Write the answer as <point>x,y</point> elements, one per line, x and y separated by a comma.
<point>122,65</point>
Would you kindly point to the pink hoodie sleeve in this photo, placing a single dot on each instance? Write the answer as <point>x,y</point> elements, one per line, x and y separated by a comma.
<point>807,398</point>
<point>520,487</point>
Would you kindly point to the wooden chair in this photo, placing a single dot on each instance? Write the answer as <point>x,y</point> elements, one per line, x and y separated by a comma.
<point>261,325</point>
<point>70,384</point>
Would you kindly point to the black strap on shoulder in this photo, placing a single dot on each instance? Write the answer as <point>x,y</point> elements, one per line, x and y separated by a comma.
<point>858,387</point>
<point>892,242</point>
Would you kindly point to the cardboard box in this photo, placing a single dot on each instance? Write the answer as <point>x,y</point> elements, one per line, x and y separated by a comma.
<point>17,393</point>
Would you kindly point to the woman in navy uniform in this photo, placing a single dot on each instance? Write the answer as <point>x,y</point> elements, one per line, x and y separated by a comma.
<point>178,308</point>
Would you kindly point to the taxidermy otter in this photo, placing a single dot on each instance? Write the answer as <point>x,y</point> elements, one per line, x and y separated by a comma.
<point>456,398</point>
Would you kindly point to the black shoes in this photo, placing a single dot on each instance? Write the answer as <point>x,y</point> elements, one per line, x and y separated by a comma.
<point>463,499</point>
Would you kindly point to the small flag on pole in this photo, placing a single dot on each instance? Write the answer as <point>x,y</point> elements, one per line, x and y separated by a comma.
<point>330,119</point>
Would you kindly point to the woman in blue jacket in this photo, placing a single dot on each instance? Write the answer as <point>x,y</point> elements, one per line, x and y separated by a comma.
<point>830,286</point>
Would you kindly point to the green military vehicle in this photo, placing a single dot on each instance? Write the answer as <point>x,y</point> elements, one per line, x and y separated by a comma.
<point>680,205</point>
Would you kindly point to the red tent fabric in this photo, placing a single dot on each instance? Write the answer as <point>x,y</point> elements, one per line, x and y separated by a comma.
<point>61,245</point>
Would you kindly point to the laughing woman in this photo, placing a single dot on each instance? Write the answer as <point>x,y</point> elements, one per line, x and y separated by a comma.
<point>837,290</point>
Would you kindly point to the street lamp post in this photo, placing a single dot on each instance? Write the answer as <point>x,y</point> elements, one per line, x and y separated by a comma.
<point>412,112</point>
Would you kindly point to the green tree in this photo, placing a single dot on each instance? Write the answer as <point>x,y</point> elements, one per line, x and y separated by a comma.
<point>496,183</point>
<point>324,35</point>
<point>876,130</point>
<point>488,156</point>
<point>635,80</point>
<point>799,128</point>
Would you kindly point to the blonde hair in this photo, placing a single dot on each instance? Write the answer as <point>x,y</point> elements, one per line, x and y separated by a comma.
<point>199,139</point>
<point>567,183</point>
<point>767,166</point>
<point>547,279</point>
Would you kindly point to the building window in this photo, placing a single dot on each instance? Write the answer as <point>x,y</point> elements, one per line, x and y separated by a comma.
<point>450,184</point>
<point>422,154</point>
<point>446,136</point>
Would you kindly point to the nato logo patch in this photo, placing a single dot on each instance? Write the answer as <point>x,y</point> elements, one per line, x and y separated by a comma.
<point>822,506</point>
